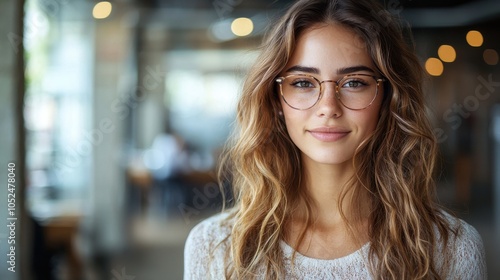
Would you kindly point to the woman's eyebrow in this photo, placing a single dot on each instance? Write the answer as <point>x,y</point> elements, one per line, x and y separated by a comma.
<point>340,71</point>
<point>300,68</point>
<point>352,69</point>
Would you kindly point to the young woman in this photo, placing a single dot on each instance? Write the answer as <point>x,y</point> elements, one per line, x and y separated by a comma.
<point>333,161</point>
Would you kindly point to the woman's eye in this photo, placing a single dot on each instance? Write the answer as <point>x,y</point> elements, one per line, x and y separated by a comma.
<point>303,84</point>
<point>353,84</point>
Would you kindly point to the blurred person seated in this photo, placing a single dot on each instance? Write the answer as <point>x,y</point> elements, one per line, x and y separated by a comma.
<point>168,161</point>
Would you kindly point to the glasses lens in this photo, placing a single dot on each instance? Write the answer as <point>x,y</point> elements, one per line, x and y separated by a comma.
<point>300,92</point>
<point>357,91</point>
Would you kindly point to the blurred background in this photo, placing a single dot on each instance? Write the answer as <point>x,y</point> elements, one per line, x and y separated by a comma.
<point>114,114</point>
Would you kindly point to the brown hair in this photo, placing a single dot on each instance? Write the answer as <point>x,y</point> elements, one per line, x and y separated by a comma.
<point>406,223</point>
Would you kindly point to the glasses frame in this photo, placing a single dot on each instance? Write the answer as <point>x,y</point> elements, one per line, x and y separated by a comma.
<point>280,81</point>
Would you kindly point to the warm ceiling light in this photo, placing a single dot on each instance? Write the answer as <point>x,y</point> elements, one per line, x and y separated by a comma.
<point>102,10</point>
<point>490,57</point>
<point>242,26</point>
<point>474,38</point>
<point>447,53</point>
<point>434,66</point>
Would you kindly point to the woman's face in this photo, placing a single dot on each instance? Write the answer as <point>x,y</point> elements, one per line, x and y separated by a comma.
<point>328,132</point>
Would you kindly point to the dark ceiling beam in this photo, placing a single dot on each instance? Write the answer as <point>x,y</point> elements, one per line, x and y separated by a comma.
<point>462,15</point>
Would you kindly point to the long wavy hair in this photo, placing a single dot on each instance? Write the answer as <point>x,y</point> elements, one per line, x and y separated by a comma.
<point>394,166</point>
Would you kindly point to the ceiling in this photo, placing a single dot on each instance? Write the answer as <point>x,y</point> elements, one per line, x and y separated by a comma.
<point>444,13</point>
<point>263,4</point>
<point>432,4</point>
<point>189,20</point>
<point>419,13</point>
<point>191,23</point>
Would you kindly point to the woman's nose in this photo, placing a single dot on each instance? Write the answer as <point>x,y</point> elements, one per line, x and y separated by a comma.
<point>328,105</point>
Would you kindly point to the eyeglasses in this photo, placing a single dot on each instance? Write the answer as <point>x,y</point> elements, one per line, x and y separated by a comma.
<point>354,91</point>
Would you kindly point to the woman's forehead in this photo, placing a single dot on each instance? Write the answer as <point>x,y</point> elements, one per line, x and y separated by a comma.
<point>329,47</point>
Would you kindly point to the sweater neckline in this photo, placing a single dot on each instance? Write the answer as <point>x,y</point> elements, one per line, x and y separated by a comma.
<point>358,254</point>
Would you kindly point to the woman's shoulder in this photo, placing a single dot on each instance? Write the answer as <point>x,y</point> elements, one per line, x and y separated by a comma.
<point>206,247</point>
<point>213,229</point>
<point>466,248</point>
<point>463,231</point>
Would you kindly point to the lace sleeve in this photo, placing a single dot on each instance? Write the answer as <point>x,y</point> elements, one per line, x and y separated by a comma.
<point>196,252</point>
<point>469,256</point>
<point>203,258</point>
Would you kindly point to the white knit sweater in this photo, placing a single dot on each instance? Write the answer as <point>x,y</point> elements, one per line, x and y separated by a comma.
<point>467,251</point>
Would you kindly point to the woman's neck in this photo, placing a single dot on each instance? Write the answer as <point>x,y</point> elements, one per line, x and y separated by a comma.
<point>326,185</point>
<point>325,234</point>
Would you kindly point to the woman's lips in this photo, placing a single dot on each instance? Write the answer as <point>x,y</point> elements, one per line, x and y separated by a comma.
<point>329,134</point>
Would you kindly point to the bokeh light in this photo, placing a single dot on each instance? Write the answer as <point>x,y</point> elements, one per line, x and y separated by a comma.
<point>102,10</point>
<point>447,53</point>
<point>490,56</point>
<point>434,66</point>
<point>242,26</point>
<point>474,38</point>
